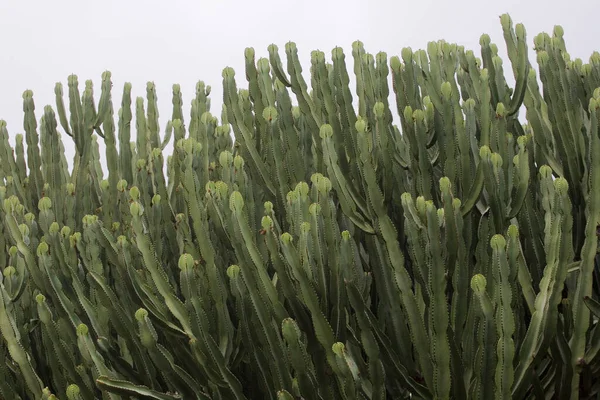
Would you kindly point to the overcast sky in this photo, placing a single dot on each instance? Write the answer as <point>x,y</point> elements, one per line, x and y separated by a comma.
<point>176,41</point>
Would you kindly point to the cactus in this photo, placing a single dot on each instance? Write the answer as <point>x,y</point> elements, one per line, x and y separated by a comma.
<point>298,246</point>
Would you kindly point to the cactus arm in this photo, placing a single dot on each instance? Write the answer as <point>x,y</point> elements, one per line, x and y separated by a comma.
<point>521,162</point>
<point>158,275</point>
<point>240,129</point>
<point>124,132</point>
<point>505,319</point>
<point>129,389</point>
<point>543,320</point>
<point>581,314</point>
<point>391,360</point>
<point>348,202</point>
<point>276,64</point>
<point>485,360</point>
<point>299,358</point>
<point>12,339</point>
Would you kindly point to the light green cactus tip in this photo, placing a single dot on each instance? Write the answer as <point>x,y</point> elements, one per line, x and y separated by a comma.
<point>141,314</point>
<point>270,114</point>
<point>478,283</point>
<point>421,205</point>
<point>236,202</point>
<point>326,131</point>
<point>225,158</point>
<point>24,229</point>
<point>558,31</point>
<point>186,261</point>
<point>407,54</point>
<point>346,235</point>
<point>12,251</point>
<point>29,217</point>
<point>134,193</point>
<point>545,171</point>
<point>484,75</point>
<point>233,271</point>
<point>267,223</point>
<point>136,209</point>
<point>395,64</point>
<point>512,231</point>
<point>418,116</point>
<point>82,330</point>
<point>88,220</point>
<point>40,298</point>
<point>496,160</point>
<point>302,189</point>
<point>469,105</point>
<point>445,184</point>
<point>290,330</point>
<point>73,392</point>
<point>156,200</point>
<point>520,31</point>
<point>506,21</point>
<point>360,125</point>
<point>305,227</point>
<point>206,118</point>
<point>561,186</point>
<point>42,249</point>
<point>54,228</point>
<point>238,162</point>
<point>122,185</point>
<point>140,164</point>
<point>446,90</point>
<point>500,110</point>
<point>228,73</point>
<point>104,185</point>
<point>286,238</point>
<point>74,239</point>
<point>65,231</point>
<point>338,348</point>
<point>263,66</point>
<point>210,188</point>
<point>497,242</point>
<point>314,209</point>
<point>485,153</point>
<point>222,189</point>
<point>9,271</point>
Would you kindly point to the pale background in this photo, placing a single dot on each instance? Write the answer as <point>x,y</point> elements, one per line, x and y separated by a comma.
<point>176,41</point>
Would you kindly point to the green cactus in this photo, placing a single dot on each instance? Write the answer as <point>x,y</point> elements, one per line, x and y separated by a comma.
<point>301,245</point>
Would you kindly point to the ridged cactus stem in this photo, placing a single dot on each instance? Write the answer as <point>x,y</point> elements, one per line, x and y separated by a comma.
<point>581,313</point>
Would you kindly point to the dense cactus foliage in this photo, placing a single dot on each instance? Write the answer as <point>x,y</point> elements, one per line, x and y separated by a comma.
<point>302,248</point>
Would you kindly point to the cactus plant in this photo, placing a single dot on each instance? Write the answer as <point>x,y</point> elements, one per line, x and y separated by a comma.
<point>299,247</point>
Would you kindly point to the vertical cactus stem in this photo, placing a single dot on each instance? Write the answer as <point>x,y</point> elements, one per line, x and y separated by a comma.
<point>479,286</point>
<point>186,275</point>
<point>148,335</point>
<point>16,350</point>
<point>505,319</point>
<point>439,319</point>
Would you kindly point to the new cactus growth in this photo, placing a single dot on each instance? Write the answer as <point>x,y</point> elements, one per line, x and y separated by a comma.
<point>292,246</point>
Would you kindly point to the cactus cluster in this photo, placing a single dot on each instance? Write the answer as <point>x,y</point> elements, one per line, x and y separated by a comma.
<point>303,246</point>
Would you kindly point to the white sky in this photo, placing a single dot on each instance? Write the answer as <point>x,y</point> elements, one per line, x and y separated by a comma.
<point>176,41</point>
